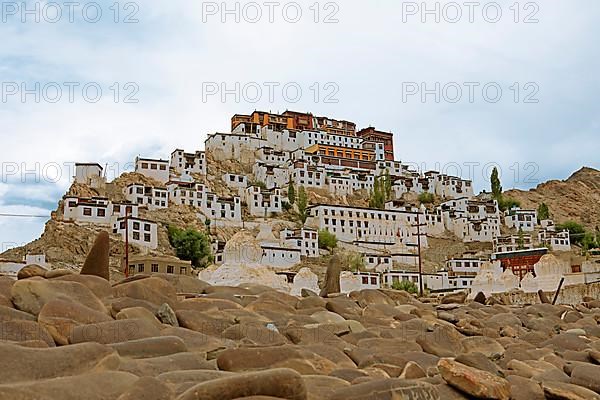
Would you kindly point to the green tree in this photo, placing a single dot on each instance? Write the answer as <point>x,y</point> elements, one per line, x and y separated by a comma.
<point>407,286</point>
<point>576,231</point>
<point>589,242</point>
<point>496,185</point>
<point>302,204</point>
<point>382,191</point>
<point>191,245</point>
<point>521,240</point>
<point>543,212</point>
<point>506,203</point>
<point>327,240</point>
<point>356,262</point>
<point>291,193</point>
<point>426,198</point>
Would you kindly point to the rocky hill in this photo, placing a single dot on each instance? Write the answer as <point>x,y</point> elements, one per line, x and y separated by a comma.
<point>576,199</point>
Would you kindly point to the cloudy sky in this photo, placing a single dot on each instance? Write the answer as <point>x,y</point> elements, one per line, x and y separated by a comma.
<point>464,88</point>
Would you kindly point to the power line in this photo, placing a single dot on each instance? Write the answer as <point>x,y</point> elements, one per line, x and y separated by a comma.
<point>23,216</point>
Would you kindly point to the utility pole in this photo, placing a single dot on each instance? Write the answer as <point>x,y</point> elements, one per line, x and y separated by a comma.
<point>419,254</point>
<point>126,242</point>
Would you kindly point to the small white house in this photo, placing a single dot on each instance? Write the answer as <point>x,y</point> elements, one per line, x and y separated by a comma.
<point>143,233</point>
<point>197,195</point>
<point>263,202</point>
<point>152,197</point>
<point>517,218</point>
<point>234,181</point>
<point>90,174</point>
<point>183,162</point>
<point>558,241</point>
<point>153,168</point>
<point>280,257</point>
<point>377,261</point>
<point>95,210</point>
<point>503,244</point>
<point>305,239</point>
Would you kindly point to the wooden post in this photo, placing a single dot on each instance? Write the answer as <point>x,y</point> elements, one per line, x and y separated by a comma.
<point>562,280</point>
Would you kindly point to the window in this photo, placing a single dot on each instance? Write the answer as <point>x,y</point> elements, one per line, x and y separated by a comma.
<point>131,269</point>
<point>141,268</point>
<point>136,236</point>
<point>183,270</point>
<point>153,166</point>
<point>154,267</point>
<point>136,226</point>
<point>163,167</point>
<point>87,212</point>
<point>144,165</point>
<point>170,269</point>
<point>101,212</point>
<point>72,203</point>
<point>147,227</point>
<point>147,237</point>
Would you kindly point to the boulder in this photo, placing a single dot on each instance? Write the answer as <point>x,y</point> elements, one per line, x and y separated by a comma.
<point>479,361</point>
<point>195,341</point>
<point>322,387</point>
<point>23,331</point>
<point>567,391</point>
<point>524,389</point>
<point>166,315</point>
<point>150,347</point>
<point>10,314</point>
<point>138,313</point>
<point>332,277</point>
<point>30,295</point>
<point>153,290</point>
<point>485,345</point>
<point>277,383</point>
<point>454,298</point>
<point>19,364</point>
<point>159,365</point>
<point>98,285</point>
<point>147,388</point>
<point>60,317</point>
<point>382,389</point>
<point>587,376</point>
<point>474,382</point>
<point>114,331</point>
<point>31,271</point>
<point>89,386</point>
<point>97,260</point>
<point>287,356</point>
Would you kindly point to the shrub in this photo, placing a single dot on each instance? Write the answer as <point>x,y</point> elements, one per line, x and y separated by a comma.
<point>507,203</point>
<point>576,231</point>
<point>191,245</point>
<point>543,212</point>
<point>426,198</point>
<point>327,240</point>
<point>407,286</point>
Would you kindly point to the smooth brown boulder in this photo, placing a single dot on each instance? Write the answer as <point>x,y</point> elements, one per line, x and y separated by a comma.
<point>30,295</point>
<point>567,391</point>
<point>454,298</point>
<point>97,260</point>
<point>60,317</point>
<point>543,298</point>
<point>138,313</point>
<point>474,382</point>
<point>280,383</point>
<point>587,376</point>
<point>98,285</point>
<point>322,387</point>
<point>259,358</point>
<point>153,290</point>
<point>23,331</point>
<point>150,347</point>
<point>332,277</point>
<point>159,365</point>
<point>10,314</point>
<point>195,341</point>
<point>31,271</point>
<point>114,331</point>
<point>480,298</point>
<point>19,364</point>
<point>524,389</point>
<point>387,389</point>
<point>91,386</point>
<point>147,388</point>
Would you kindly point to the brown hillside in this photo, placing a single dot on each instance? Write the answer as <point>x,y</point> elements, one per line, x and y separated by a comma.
<point>577,198</point>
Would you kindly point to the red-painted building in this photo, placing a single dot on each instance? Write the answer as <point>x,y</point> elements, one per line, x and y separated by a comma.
<point>520,261</point>
<point>387,138</point>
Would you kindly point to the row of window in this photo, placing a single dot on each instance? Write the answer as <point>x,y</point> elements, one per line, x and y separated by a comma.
<point>154,166</point>
<point>154,269</point>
